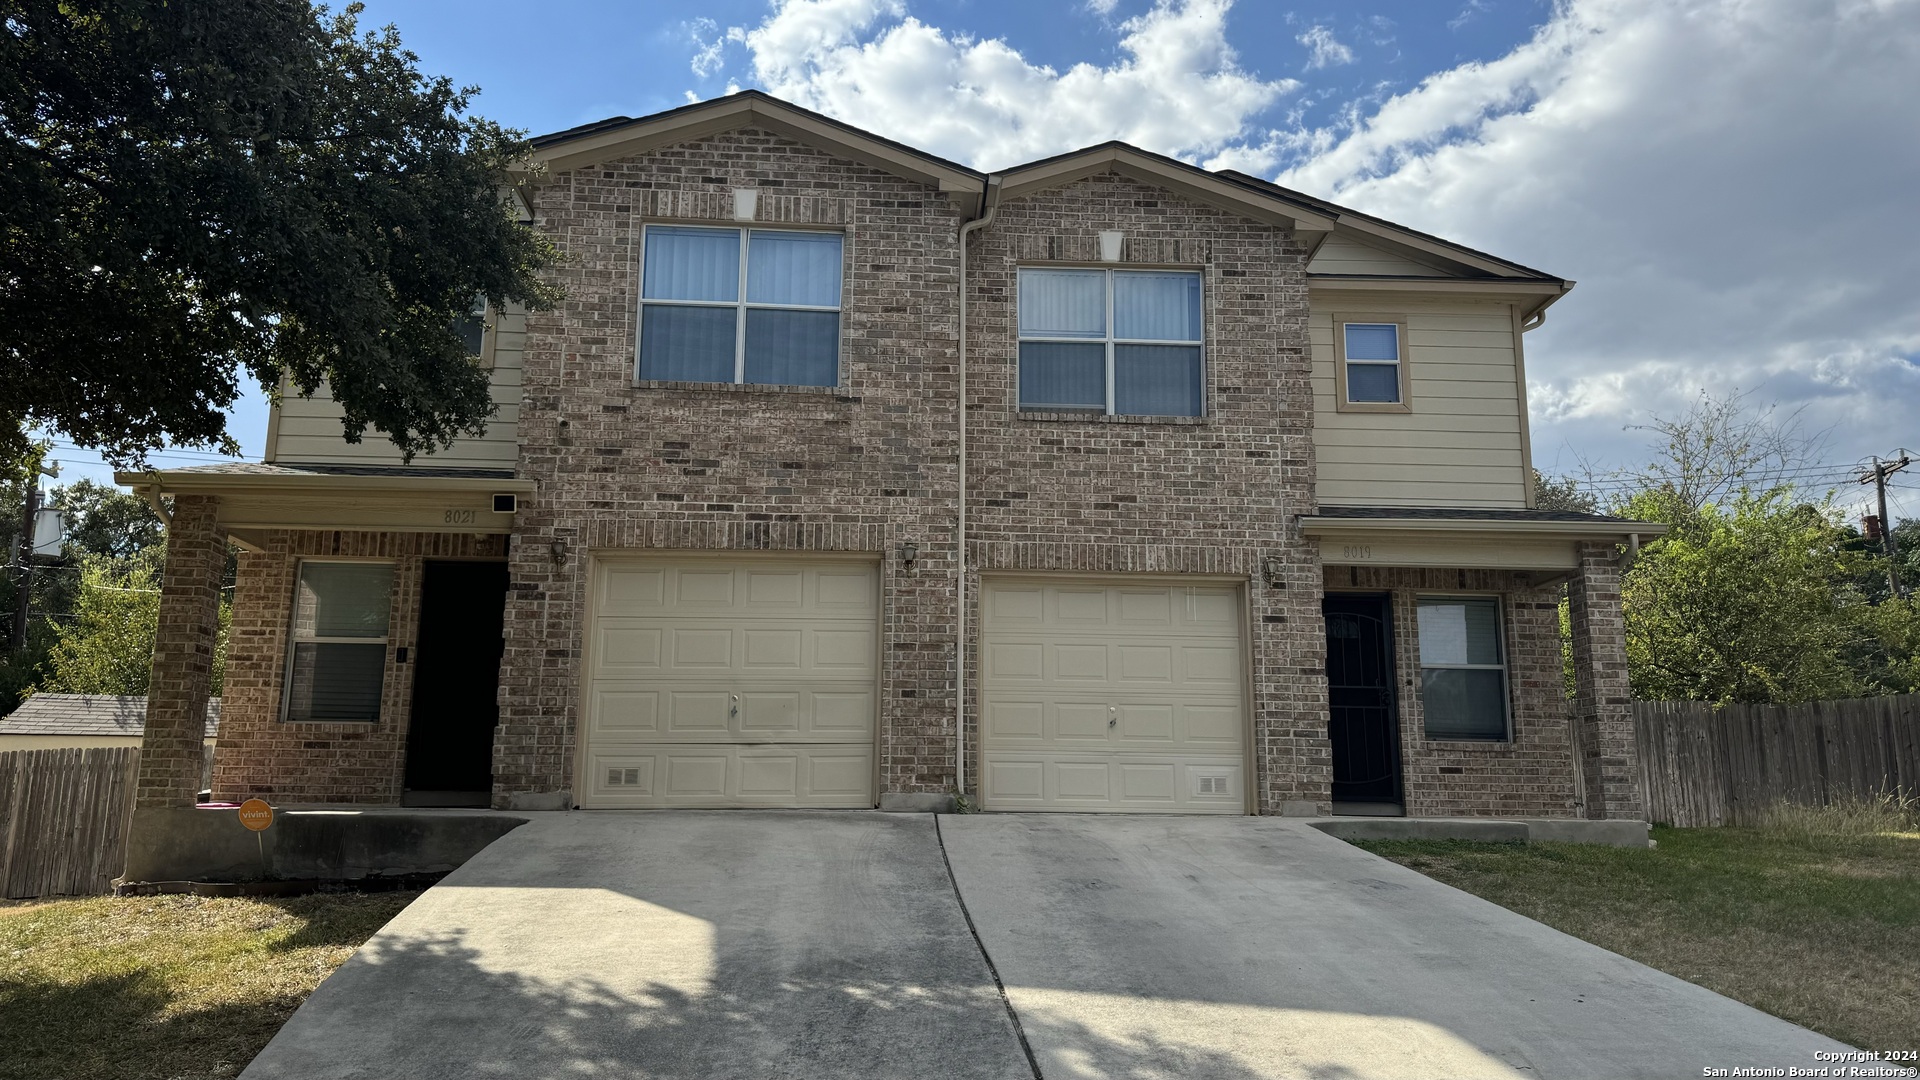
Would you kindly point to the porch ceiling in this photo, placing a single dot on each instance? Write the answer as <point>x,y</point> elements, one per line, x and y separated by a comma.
<point>255,498</point>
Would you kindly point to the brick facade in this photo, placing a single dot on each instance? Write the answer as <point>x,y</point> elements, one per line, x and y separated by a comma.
<point>1603,700</point>
<point>1530,775</point>
<point>1207,495</point>
<point>259,755</point>
<point>172,754</point>
<point>871,464</point>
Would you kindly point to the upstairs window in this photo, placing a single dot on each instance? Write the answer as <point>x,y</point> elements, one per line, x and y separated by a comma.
<point>338,665</point>
<point>1463,670</point>
<point>473,328</point>
<point>1120,342</point>
<point>1373,371</point>
<point>740,306</point>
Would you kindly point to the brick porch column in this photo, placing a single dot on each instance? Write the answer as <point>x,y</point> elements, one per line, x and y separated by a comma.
<point>1603,701</point>
<point>171,751</point>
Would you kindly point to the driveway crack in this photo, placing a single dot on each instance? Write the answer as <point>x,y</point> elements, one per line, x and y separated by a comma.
<point>1006,1002</point>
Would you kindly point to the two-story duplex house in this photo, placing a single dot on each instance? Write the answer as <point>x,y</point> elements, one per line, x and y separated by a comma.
<point>848,476</point>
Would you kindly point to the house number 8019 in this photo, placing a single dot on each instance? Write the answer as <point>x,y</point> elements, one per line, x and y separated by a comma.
<point>458,517</point>
<point>1356,551</point>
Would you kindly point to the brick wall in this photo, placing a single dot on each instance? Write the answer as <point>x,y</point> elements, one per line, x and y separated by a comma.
<point>1530,776</point>
<point>259,755</point>
<point>1207,495</point>
<point>1603,700</point>
<point>171,755</point>
<point>861,467</point>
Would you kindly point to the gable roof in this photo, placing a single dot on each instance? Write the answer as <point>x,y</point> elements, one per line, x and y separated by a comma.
<point>1242,193</point>
<point>622,136</point>
<point>88,714</point>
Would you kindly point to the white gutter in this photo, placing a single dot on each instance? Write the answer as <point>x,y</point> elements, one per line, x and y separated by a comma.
<point>990,203</point>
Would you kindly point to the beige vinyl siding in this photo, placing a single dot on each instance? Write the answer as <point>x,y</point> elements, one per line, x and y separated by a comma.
<point>307,430</point>
<point>1345,255</point>
<point>1463,444</point>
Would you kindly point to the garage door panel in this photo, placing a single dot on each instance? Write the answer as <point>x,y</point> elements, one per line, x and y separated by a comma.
<point>772,775</point>
<point>1112,696</point>
<point>747,682</point>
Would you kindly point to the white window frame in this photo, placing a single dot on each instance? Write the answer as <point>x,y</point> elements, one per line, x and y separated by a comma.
<point>740,301</point>
<point>1110,341</point>
<point>294,640</point>
<point>1504,667</point>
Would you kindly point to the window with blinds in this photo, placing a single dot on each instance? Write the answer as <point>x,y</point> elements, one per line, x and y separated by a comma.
<point>740,306</point>
<point>1120,342</point>
<point>337,665</point>
<point>1463,670</point>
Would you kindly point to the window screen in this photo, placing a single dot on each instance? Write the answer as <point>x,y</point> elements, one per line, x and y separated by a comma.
<point>740,306</point>
<point>1372,352</point>
<point>1126,342</point>
<point>1463,673</point>
<point>339,656</point>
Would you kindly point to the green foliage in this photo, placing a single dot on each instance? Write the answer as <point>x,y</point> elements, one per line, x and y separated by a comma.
<point>104,520</point>
<point>107,647</point>
<point>201,192</point>
<point>1755,601</point>
<point>1562,493</point>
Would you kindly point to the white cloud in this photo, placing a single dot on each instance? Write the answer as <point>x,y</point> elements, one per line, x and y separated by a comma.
<point>1102,8</point>
<point>1322,49</point>
<point>1730,180</point>
<point>1177,88</point>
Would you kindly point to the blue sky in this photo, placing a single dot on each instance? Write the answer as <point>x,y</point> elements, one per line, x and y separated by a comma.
<point>1730,181</point>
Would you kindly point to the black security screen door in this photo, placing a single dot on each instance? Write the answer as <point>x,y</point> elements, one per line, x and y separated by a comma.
<point>1361,718</point>
<point>450,736</point>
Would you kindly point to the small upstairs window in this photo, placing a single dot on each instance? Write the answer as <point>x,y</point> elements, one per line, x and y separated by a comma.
<point>1120,342</point>
<point>740,306</point>
<point>1373,371</point>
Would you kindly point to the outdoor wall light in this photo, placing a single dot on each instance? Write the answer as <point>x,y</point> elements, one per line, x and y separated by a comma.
<point>1274,570</point>
<point>909,551</point>
<point>558,550</point>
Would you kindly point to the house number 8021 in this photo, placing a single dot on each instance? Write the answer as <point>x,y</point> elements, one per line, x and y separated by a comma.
<point>458,517</point>
<point>1356,551</point>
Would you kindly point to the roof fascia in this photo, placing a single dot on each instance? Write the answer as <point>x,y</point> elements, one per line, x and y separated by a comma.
<point>1601,530</point>
<point>1505,288</point>
<point>740,110</point>
<point>183,482</point>
<point>1195,184</point>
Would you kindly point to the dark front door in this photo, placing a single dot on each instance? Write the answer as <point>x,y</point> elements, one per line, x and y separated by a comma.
<point>450,737</point>
<point>1361,716</point>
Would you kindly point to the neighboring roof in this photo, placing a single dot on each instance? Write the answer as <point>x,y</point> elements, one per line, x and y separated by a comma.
<point>88,714</point>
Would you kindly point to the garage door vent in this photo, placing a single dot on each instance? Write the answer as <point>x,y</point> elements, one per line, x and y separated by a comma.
<point>1212,785</point>
<point>623,777</point>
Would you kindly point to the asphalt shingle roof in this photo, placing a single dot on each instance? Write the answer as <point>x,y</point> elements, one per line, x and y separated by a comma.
<point>87,714</point>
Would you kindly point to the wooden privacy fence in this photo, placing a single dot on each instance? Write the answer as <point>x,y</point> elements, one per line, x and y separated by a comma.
<point>63,819</point>
<point>1701,765</point>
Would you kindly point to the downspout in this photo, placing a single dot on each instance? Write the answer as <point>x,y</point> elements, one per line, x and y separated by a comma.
<point>152,492</point>
<point>989,204</point>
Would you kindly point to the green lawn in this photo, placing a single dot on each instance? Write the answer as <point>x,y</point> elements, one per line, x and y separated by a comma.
<point>165,987</point>
<point>1820,927</point>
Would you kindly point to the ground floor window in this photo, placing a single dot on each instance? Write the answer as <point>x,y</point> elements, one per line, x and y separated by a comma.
<point>337,666</point>
<point>1463,671</point>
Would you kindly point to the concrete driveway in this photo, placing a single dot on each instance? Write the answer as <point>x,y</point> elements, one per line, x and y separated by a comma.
<point>812,945</point>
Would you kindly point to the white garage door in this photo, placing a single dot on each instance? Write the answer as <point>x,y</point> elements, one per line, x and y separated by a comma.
<point>1102,696</point>
<point>731,683</point>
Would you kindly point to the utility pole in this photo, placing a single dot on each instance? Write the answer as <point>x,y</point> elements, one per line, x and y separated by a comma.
<point>1878,478</point>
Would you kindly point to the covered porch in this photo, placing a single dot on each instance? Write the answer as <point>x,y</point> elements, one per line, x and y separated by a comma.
<point>1449,692</point>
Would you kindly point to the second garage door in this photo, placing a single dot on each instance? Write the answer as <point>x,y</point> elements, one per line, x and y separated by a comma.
<point>1107,696</point>
<point>731,682</point>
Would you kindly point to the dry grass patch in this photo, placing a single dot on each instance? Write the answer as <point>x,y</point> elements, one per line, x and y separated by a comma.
<point>1820,927</point>
<point>166,987</point>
